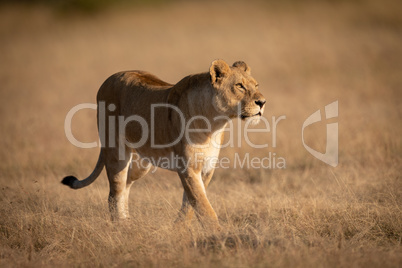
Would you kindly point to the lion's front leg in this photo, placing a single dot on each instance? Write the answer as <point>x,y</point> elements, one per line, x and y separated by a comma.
<point>186,213</point>
<point>195,198</point>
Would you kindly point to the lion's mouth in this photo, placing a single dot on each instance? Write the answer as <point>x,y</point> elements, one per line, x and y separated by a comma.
<point>243,116</point>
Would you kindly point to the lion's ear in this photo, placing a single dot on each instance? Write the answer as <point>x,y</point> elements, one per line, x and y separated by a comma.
<point>218,70</point>
<point>243,66</point>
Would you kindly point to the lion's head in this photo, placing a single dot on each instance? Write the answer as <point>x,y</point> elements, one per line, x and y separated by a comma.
<point>237,92</point>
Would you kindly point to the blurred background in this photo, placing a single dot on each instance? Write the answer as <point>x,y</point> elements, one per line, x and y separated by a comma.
<point>304,54</point>
<point>56,54</point>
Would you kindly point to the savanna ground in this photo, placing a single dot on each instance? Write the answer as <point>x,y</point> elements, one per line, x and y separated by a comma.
<point>304,55</point>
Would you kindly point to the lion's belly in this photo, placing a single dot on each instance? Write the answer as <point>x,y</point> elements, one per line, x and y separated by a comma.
<point>163,158</point>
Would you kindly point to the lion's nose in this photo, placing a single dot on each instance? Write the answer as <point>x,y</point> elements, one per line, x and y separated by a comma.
<point>260,102</point>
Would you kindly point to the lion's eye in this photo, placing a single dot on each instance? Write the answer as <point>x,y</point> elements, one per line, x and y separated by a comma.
<point>240,86</point>
<point>256,86</point>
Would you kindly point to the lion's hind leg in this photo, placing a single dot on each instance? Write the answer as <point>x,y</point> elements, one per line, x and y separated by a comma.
<point>117,173</point>
<point>137,170</point>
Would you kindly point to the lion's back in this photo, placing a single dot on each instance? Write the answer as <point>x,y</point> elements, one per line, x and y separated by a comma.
<point>129,87</point>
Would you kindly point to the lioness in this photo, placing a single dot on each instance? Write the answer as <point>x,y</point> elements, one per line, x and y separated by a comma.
<point>201,104</point>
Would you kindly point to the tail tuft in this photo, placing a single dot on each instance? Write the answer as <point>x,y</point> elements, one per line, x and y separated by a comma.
<point>69,181</point>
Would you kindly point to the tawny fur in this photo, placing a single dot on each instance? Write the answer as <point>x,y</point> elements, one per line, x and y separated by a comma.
<point>225,92</point>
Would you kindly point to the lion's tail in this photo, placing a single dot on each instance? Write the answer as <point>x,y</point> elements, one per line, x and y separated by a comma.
<point>74,183</point>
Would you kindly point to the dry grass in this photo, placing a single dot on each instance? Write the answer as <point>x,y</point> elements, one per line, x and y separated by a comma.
<point>304,57</point>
